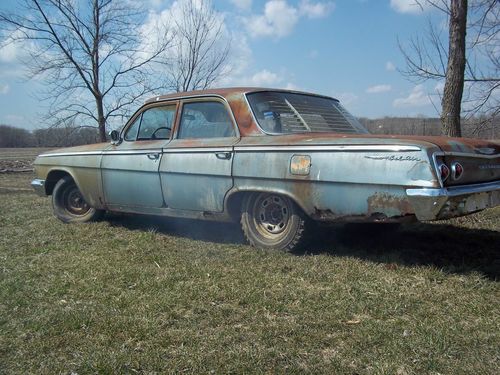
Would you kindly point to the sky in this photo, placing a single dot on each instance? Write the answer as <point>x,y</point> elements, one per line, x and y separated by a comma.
<point>347,49</point>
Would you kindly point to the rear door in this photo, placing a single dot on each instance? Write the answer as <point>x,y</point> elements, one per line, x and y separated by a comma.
<point>130,170</point>
<point>196,169</point>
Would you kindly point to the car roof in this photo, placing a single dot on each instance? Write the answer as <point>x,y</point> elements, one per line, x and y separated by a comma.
<point>225,93</point>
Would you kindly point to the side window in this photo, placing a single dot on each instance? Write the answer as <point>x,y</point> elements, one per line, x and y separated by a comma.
<point>156,123</point>
<point>205,120</point>
<point>131,133</point>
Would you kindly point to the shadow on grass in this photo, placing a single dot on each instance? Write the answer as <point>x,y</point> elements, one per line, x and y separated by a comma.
<point>451,248</point>
<point>193,229</point>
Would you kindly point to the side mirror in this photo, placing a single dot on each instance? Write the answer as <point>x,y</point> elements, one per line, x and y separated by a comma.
<point>115,137</point>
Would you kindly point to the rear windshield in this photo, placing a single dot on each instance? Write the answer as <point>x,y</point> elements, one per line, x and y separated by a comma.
<point>283,113</point>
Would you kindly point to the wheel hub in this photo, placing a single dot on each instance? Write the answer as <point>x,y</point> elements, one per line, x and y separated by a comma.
<point>273,214</point>
<point>75,203</point>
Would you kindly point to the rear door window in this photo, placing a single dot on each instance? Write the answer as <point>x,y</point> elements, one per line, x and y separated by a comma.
<point>205,120</point>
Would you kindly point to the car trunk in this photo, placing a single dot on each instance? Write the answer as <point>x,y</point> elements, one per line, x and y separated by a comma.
<point>477,160</point>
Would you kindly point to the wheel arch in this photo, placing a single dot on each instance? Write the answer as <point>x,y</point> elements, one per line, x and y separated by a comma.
<point>55,175</point>
<point>235,198</point>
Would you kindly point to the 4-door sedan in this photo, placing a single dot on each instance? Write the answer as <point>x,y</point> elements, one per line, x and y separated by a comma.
<point>272,159</point>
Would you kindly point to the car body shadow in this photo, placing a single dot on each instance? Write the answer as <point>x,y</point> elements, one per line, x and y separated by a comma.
<point>452,249</point>
<point>210,231</point>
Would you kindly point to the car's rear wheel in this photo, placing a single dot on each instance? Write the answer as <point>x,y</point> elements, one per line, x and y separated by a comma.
<point>272,221</point>
<point>69,205</point>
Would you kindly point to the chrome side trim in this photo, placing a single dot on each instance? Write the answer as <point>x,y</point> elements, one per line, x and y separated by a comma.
<point>80,153</point>
<point>196,149</point>
<point>132,152</point>
<point>111,152</point>
<point>454,191</point>
<point>39,186</point>
<point>373,148</point>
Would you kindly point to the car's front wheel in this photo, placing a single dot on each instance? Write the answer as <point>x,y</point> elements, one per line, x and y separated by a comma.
<point>272,221</point>
<point>69,205</point>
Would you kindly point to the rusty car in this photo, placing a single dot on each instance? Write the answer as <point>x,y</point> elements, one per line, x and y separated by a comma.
<point>272,159</point>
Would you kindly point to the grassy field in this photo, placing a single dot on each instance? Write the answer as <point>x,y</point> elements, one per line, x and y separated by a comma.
<point>144,295</point>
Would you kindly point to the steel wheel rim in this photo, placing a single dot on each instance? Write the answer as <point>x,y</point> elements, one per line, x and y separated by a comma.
<point>271,215</point>
<point>74,203</point>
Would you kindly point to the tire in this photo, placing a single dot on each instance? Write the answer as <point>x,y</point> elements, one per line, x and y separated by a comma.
<point>68,203</point>
<point>272,221</point>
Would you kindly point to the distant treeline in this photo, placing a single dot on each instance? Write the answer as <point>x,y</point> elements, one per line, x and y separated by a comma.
<point>472,128</point>
<point>11,136</point>
<point>73,136</point>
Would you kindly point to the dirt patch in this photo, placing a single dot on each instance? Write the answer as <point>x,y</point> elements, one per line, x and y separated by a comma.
<point>7,166</point>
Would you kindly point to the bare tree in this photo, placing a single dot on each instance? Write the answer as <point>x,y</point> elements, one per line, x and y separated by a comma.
<point>466,58</point>
<point>202,46</point>
<point>451,103</point>
<point>91,54</point>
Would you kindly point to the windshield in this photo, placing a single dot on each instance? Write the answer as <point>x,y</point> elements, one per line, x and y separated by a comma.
<point>283,113</point>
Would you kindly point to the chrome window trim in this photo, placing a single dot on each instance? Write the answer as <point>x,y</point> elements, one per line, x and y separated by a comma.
<point>289,92</point>
<point>192,99</point>
<point>146,106</point>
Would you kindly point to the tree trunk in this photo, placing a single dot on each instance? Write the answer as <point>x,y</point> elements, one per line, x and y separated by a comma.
<point>101,120</point>
<point>454,84</point>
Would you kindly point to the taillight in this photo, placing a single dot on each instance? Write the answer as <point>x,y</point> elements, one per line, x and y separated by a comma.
<point>444,171</point>
<point>456,170</point>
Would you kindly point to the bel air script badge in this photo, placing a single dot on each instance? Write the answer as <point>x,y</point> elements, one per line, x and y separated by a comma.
<point>393,157</point>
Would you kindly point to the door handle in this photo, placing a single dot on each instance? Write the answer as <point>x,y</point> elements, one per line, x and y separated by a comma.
<point>223,155</point>
<point>153,156</point>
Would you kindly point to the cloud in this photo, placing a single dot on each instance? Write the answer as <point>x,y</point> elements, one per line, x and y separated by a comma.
<point>292,86</point>
<point>346,98</point>
<point>242,4</point>
<point>389,66</point>
<point>316,9</point>
<point>4,89</point>
<point>409,6</point>
<point>9,53</point>
<point>11,49</point>
<point>279,18</point>
<point>417,98</point>
<point>377,89</point>
<point>265,78</point>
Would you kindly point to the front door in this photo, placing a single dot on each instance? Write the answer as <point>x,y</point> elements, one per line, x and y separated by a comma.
<point>196,169</point>
<point>130,170</point>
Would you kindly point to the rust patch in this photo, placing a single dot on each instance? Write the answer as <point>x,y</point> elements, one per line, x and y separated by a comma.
<point>389,205</point>
<point>327,215</point>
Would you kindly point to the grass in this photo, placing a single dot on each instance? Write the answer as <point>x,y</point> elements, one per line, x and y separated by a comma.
<point>143,295</point>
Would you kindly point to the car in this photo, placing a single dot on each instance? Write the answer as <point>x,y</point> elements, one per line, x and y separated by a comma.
<point>275,160</point>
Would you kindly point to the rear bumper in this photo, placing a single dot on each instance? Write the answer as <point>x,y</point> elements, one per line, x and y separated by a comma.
<point>444,203</point>
<point>39,187</point>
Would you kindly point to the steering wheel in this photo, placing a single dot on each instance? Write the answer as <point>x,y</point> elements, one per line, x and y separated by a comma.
<point>153,136</point>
